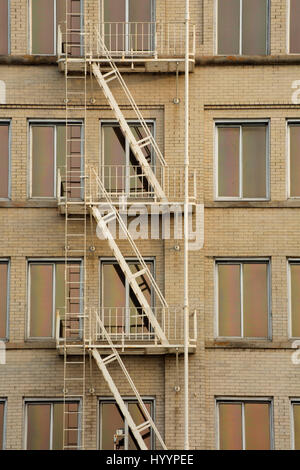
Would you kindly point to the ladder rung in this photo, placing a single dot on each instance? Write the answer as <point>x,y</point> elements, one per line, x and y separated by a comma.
<point>139,273</point>
<point>108,74</point>
<point>109,217</point>
<point>143,426</point>
<point>109,359</point>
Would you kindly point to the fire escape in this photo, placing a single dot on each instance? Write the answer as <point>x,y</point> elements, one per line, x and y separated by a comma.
<point>92,55</point>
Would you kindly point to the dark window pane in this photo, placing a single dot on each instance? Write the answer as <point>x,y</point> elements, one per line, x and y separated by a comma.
<point>294,26</point>
<point>230,426</point>
<point>74,161</point>
<point>38,426</point>
<point>228,161</point>
<point>74,304</point>
<point>114,29</point>
<point>41,300</point>
<point>257,426</point>
<point>4,159</point>
<point>295,299</point>
<point>254,27</point>
<point>114,159</point>
<point>294,160</point>
<point>74,25</point>
<point>60,288</point>
<point>255,296</point>
<point>139,323</point>
<point>3,299</point>
<point>228,27</point>
<point>1,425</point>
<point>60,147</point>
<point>3,27</point>
<point>111,421</point>
<point>113,297</point>
<point>296,409</point>
<point>139,418</point>
<point>71,425</point>
<point>42,26</point>
<point>140,13</point>
<point>254,161</point>
<point>229,300</point>
<point>42,161</point>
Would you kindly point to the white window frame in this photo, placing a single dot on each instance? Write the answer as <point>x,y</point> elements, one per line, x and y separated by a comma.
<point>216,23</point>
<point>50,123</point>
<point>241,262</point>
<point>4,400</point>
<point>243,401</point>
<point>289,123</point>
<point>146,399</point>
<point>7,262</point>
<point>8,123</point>
<point>219,123</point>
<point>130,122</point>
<point>107,260</point>
<point>50,401</point>
<point>290,261</point>
<point>53,262</point>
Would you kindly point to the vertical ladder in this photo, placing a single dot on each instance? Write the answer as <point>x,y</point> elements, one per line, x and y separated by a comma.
<point>75,240</point>
<point>102,364</point>
<point>103,221</point>
<point>136,145</point>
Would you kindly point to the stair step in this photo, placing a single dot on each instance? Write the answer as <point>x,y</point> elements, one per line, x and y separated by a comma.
<point>109,217</point>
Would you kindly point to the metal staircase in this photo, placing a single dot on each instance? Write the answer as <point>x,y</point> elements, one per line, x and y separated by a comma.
<point>135,145</point>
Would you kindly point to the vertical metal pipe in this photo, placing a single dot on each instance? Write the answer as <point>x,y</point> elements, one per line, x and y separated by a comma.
<point>186,231</point>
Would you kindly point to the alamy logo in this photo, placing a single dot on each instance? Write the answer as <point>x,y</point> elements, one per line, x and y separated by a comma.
<point>157,222</point>
<point>296,354</point>
<point>2,353</point>
<point>2,92</point>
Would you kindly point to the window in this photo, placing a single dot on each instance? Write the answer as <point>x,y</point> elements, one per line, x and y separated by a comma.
<point>48,154</point>
<point>45,425</point>
<point>242,27</point>
<point>121,310</point>
<point>2,423</point>
<point>243,299</point>
<point>46,15</point>
<point>4,299</point>
<point>4,159</point>
<point>294,158</point>
<point>114,431</point>
<point>128,25</point>
<point>47,296</point>
<point>244,425</point>
<point>122,173</point>
<point>294,33</point>
<point>296,424</point>
<point>242,166</point>
<point>294,272</point>
<point>4,27</point>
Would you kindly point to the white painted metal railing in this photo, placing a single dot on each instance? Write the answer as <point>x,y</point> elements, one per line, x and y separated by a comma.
<point>130,181</point>
<point>124,324</point>
<point>147,40</point>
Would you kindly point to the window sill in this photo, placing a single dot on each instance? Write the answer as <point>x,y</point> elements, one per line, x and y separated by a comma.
<point>267,59</point>
<point>32,344</point>
<point>289,203</point>
<point>248,344</point>
<point>29,203</point>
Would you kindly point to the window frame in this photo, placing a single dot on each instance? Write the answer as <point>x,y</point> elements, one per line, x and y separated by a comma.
<point>290,262</point>
<point>239,124</point>
<point>127,19</point>
<point>147,399</point>
<point>241,261</point>
<point>53,262</point>
<point>4,401</point>
<point>51,123</point>
<point>50,401</point>
<point>7,262</point>
<point>8,123</point>
<point>289,123</point>
<point>268,30</point>
<point>111,260</point>
<point>243,401</point>
<point>113,123</point>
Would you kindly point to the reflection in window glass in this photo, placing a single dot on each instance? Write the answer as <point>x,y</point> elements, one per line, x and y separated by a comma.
<point>4,160</point>
<point>296,413</point>
<point>294,27</point>
<point>3,298</point>
<point>4,21</point>
<point>2,406</point>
